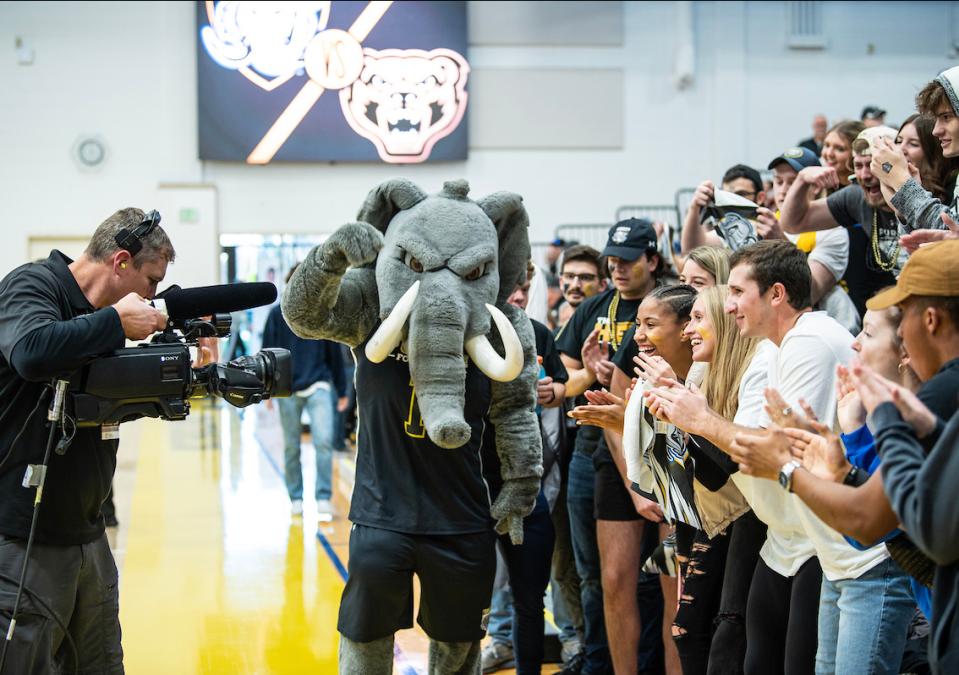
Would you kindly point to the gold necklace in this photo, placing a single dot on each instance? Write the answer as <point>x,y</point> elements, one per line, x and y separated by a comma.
<point>877,252</point>
<point>611,317</point>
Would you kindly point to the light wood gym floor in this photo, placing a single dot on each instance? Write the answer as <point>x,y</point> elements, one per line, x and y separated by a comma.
<point>216,577</point>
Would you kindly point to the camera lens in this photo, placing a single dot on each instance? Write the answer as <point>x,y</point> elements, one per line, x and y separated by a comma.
<point>281,372</point>
<point>271,367</point>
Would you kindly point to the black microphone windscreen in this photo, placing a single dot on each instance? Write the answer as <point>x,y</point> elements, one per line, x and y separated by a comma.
<point>162,294</point>
<point>191,303</point>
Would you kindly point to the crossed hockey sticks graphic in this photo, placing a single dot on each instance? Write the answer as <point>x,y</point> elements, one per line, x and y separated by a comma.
<point>307,97</point>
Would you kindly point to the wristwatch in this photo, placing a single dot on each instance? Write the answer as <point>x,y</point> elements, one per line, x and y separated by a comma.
<point>852,477</point>
<point>786,474</point>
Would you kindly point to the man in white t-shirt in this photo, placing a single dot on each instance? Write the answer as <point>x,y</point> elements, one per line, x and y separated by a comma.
<point>864,607</point>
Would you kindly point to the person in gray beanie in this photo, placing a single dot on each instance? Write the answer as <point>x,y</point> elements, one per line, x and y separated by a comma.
<point>917,208</point>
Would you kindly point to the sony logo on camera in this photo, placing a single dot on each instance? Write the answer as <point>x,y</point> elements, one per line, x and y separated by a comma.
<point>169,358</point>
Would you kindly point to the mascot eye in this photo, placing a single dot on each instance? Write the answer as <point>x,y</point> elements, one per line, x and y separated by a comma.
<point>475,274</point>
<point>413,263</point>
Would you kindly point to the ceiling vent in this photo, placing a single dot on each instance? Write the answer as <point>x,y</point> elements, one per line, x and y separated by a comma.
<point>804,25</point>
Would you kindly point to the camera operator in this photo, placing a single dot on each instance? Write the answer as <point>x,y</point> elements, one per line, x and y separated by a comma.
<point>55,316</point>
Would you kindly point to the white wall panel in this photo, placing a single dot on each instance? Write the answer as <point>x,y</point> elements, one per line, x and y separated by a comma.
<point>556,23</point>
<point>525,108</point>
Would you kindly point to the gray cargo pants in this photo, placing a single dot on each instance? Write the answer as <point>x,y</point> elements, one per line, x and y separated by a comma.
<point>79,585</point>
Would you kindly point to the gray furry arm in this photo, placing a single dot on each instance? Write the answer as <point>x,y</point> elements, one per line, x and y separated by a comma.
<point>512,411</point>
<point>324,299</point>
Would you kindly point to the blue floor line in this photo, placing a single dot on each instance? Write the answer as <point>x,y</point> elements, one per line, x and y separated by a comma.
<point>335,559</point>
<point>331,554</point>
<point>337,563</point>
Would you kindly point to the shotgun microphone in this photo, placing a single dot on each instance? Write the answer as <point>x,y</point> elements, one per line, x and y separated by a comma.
<point>182,304</point>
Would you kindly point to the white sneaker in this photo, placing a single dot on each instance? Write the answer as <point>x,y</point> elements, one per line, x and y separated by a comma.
<point>324,510</point>
<point>570,649</point>
<point>296,507</point>
<point>496,656</point>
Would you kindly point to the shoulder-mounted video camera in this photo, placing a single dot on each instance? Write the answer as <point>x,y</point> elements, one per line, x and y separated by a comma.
<point>157,379</point>
<point>731,217</point>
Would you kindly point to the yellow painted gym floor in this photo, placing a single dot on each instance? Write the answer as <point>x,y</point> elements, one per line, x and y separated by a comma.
<point>216,577</point>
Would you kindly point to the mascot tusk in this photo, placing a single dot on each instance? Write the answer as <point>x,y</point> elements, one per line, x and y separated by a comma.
<point>390,332</point>
<point>501,369</point>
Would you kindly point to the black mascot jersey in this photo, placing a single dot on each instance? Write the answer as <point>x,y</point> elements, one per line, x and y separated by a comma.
<point>405,482</point>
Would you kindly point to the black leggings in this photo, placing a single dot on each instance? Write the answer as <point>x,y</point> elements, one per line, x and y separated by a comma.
<point>702,564</point>
<point>728,650</point>
<point>782,620</point>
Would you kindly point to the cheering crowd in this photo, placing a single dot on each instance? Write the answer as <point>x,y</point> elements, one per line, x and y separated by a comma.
<point>760,445</point>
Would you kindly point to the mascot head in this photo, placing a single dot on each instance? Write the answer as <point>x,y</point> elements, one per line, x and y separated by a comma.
<point>446,268</point>
<point>405,100</point>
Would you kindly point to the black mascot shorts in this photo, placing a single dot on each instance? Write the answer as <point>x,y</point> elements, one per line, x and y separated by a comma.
<point>456,583</point>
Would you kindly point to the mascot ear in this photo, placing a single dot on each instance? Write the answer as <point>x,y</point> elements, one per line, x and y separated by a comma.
<point>387,199</point>
<point>448,69</point>
<point>509,217</point>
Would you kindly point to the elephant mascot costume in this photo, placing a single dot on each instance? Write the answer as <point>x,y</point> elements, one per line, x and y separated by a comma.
<point>412,288</point>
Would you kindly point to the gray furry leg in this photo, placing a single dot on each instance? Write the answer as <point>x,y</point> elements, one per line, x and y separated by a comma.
<point>366,658</point>
<point>454,658</point>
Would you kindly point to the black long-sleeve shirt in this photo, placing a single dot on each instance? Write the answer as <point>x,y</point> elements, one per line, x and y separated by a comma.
<point>713,466</point>
<point>49,329</point>
<point>922,491</point>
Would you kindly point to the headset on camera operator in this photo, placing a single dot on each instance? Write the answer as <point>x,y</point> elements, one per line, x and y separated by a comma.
<point>57,315</point>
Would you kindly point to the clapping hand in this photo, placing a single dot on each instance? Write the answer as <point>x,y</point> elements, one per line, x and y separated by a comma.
<point>682,407</point>
<point>851,413</point>
<point>762,454</point>
<point>595,355</point>
<point>605,410</point>
<point>591,352</point>
<point>653,369</point>
<point>874,390</point>
<point>784,415</point>
<point>821,453</point>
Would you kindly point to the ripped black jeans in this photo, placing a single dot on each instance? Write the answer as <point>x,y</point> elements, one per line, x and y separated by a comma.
<point>702,564</point>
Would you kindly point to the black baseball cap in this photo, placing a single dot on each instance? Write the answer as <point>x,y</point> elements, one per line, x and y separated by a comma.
<point>628,239</point>
<point>797,158</point>
<point>872,112</point>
